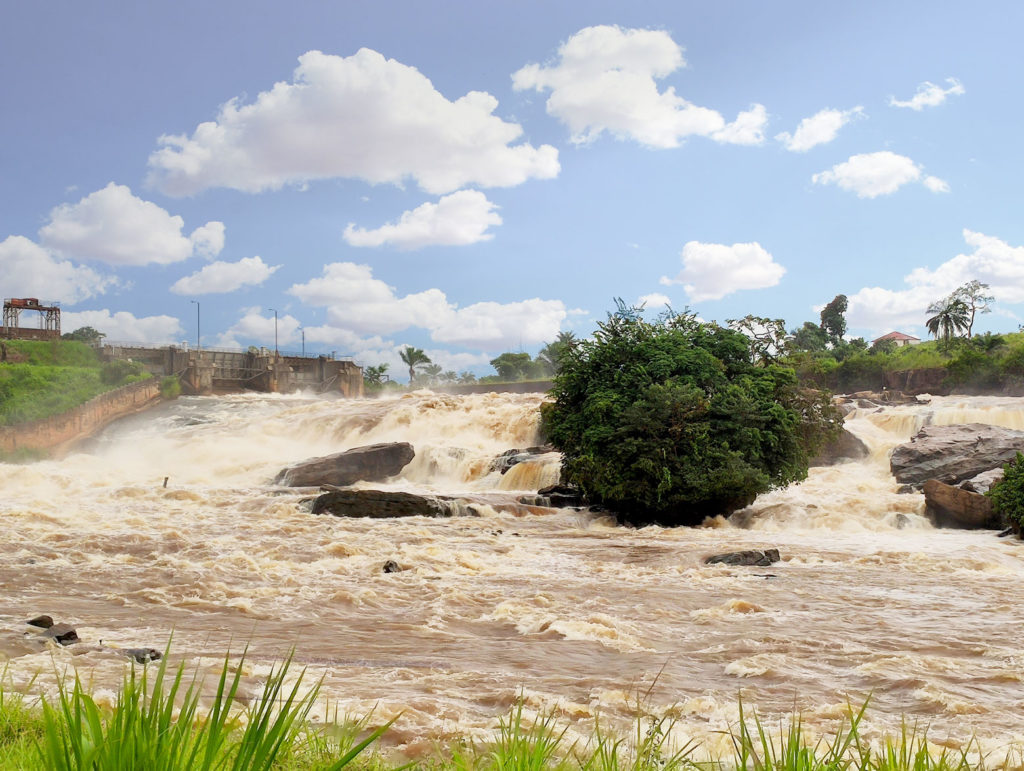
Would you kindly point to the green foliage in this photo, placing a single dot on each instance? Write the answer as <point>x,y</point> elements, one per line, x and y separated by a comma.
<point>767,337</point>
<point>414,358</point>
<point>810,337</point>
<point>30,393</point>
<point>833,319</point>
<point>671,421</point>
<point>1008,494</point>
<point>374,377</point>
<point>121,371</point>
<point>515,366</point>
<point>950,317</point>
<point>170,387</point>
<point>58,353</point>
<point>86,335</point>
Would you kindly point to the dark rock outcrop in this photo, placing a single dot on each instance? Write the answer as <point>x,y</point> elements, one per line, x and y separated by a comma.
<point>953,507</point>
<point>846,446</point>
<point>392,567</point>
<point>952,454</point>
<point>388,504</point>
<point>42,622</point>
<point>64,634</point>
<point>559,497</point>
<point>141,655</point>
<point>918,381</point>
<point>749,557</point>
<point>371,463</point>
<point>510,458</point>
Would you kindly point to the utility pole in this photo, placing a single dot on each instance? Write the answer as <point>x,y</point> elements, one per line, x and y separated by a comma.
<point>303,331</point>
<point>275,332</point>
<point>199,346</point>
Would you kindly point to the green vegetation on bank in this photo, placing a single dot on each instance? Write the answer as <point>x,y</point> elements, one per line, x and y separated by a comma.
<point>675,420</point>
<point>156,724</point>
<point>42,379</point>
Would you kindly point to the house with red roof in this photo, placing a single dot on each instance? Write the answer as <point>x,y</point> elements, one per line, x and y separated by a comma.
<point>899,339</point>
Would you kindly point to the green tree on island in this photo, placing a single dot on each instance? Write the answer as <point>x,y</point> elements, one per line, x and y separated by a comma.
<point>972,295</point>
<point>671,421</point>
<point>413,358</point>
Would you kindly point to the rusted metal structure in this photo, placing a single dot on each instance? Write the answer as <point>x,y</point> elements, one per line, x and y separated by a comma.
<point>49,319</point>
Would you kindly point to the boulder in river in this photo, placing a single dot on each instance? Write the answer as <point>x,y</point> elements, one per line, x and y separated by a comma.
<point>954,507</point>
<point>387,504</point>
<point>984,482</point>
<point>510,458</point>
<point>64,634</point>
<point>371,463</point>
<point>749,557</point>
<point>846,446</point>
<point>952,454</point>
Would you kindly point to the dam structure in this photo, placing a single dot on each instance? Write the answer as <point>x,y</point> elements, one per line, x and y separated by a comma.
<point>224,370</point>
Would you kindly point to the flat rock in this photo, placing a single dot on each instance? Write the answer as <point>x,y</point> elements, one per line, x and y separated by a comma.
<point>952,454</point>
<point>64,634</point>
<point>749,557</point>
<point>371,463</point>
<point>388,504</point>
<point>954,507</point>
<point>846,446</point>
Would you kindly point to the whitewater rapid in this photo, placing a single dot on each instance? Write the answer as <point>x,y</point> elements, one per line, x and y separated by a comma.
<point>563,608</point>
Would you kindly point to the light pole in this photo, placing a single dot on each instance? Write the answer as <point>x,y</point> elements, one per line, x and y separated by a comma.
<point>303,331</point>
<point>199,346</point>
<point>275,330</point>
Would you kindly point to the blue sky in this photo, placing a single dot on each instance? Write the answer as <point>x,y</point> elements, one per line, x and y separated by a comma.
<point>471,177</point>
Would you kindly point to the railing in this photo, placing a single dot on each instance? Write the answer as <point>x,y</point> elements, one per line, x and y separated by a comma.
<point>184,346</point>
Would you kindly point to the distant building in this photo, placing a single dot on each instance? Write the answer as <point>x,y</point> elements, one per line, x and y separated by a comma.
<point>899,339</point>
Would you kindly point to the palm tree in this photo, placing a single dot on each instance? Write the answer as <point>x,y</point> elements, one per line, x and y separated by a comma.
<point>949,317</point>
<point>551,354</point>
<point>413,358</point>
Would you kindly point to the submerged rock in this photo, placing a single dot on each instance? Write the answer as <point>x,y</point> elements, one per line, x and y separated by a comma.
<point>952,454</point>
<point>749,557</point>
<point>371,463</point>
<point>392,567</point>
<point>141,655</point>
<point>388,504</point>
<point>846,446</point>
<point>953,507</point>
<point>510,458</point>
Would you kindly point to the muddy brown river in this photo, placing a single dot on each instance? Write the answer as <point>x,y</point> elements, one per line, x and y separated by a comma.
<point>562,608</point>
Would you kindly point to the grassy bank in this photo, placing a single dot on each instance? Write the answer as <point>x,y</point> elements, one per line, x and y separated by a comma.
<point>985,363</point>
<point>42,379</point>
<point>160,722</point>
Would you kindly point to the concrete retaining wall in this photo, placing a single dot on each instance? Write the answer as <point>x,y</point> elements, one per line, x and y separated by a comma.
<point>57,433</point>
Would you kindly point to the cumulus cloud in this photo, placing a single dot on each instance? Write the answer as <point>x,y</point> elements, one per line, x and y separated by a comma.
<point>873,174</point>
<point>225,277</point>
<point>29,270</point>
<point>362,304</point>
<point>456,220</point>
<point>929,95</point>
<point>712,271</point>
<point>991,261</point>
<point>361,116</point>
<point>113,226</point>
<point>126,327</point>
<point>254,325</point>
<point>653,301</point>
<point>605,79</point>
<point>820,128</point>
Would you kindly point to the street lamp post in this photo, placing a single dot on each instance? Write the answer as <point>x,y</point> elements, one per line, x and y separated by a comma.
<point>199,346</point>
<point>275,331</point>
<point>303,331</point>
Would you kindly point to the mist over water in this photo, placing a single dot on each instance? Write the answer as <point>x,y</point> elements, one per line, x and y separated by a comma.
<point>560,606</point>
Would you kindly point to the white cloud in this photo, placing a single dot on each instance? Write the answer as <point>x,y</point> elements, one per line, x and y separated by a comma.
<point>929,95</point>
<point>992,261</point>
<point>936,185</point>
<point>113,226</point>
<point>125,327</point>
<point>605,80</point>
<point>255,326</point>
<point>358,302</point>
<point>873,174</point>
<point>653,301</point>
<point>361,116</point>
<point>225,277</point>
<point>456,220</point>
<point>712,271</point>
<point>747,129</point>
<point>820,128</point>
<point>208,240</point>
<point>29,270</point>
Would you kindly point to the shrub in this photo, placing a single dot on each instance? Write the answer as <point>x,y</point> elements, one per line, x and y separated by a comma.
<point>1008,495</point>
<point>170,387</point>
<point>669,421</point>
<point>120,371</point>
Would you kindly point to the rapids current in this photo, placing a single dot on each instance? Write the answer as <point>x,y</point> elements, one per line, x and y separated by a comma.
<point>559,607</point>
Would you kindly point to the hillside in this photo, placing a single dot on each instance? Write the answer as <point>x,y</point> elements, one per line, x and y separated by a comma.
<point>41,379</point>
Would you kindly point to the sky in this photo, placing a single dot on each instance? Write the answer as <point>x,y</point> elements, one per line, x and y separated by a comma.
<point>475,177</point>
